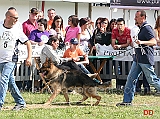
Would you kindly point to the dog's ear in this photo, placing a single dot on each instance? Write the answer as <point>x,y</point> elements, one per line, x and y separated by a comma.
<point>50,60</point>
<point>46,59</point>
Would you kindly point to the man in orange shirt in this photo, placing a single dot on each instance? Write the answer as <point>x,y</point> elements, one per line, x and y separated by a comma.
<point>51,14</point>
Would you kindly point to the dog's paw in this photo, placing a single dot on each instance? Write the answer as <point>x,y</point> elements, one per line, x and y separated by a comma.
<point>47,103</point>
<point>68,103</point>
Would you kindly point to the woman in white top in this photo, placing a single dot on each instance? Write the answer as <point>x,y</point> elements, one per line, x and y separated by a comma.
<point>85,34</point>
<point>57,27</point>
<point>157,30</point>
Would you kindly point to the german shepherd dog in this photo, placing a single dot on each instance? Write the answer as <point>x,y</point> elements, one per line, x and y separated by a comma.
<point>61,80</point>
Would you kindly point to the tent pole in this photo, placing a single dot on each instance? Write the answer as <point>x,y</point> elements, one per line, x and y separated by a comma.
<point>90,10</point>
<point>123,13</point>
<point>110,13</point>
<point>76,8</point>
<point>129,17</point>
<point>43,3</point>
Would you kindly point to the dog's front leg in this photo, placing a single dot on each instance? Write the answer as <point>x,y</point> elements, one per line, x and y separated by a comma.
<point>65,93</point>
<point>55,93</point>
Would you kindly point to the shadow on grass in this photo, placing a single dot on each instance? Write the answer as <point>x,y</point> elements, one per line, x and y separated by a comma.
<point>112,91</point>
<point>83,104</point>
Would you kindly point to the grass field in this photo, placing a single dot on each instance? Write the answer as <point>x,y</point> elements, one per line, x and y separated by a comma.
<point>59,110</point>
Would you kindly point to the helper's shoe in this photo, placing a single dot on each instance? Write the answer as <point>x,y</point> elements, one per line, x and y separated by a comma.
<point>93,75</point>
<point>98,81</point>
<point>123,104</point>
<point>18,107</point>
<point>157,93</point>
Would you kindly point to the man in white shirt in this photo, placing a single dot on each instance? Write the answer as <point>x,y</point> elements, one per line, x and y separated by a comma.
<point>10,36</point>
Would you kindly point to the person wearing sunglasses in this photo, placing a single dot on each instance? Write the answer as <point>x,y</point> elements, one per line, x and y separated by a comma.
<point>73,30</point>
<point>101,35</point>
<point>10,37</point>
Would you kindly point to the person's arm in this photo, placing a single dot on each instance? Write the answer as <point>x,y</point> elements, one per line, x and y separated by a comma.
<point>32,38</point>
<point>156,34</point>
<point>157,37</point>
<point>78,37</point>
<point>79,34</point>
<point>113,43</point>
<point>24,28</point>
<point>113,38</point>
<point>124,45</point>
<point>151,42</point>
<point>91,40</point>
<point>128,38</point>
<point>29,49</point>
<point>149,36</point>
<point>81,53</point>
<point>86,60</point>
<point>24,39</point>
<point>48,51</point>
<point>64,32</point>
<point>33,42</point>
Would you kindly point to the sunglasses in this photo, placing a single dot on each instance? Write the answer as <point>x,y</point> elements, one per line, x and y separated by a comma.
<point>56,43</point>
<point>104,23</point>
<point>14,17</point>
<point>69,20</point>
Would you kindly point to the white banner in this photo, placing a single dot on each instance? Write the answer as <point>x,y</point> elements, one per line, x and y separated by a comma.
<point>122,55</point>
<point>22,54</point>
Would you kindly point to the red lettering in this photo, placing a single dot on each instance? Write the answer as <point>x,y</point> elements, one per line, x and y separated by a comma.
<point>145,112</point>
<point>148,112</point>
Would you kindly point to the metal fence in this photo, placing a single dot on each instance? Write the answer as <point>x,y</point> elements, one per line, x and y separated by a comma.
<point>24,73</point>
<point>126,65</point>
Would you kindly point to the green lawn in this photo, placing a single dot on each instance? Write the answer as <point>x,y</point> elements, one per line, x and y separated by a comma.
<point>59,110</point>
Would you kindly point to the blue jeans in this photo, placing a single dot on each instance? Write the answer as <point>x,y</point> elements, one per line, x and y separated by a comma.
<point>7,81</point>
<point>132,78</point>
<point>83,68</point>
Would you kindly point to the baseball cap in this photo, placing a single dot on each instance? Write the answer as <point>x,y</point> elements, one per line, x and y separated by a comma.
<point>34,11</point>
<point>74,41</point>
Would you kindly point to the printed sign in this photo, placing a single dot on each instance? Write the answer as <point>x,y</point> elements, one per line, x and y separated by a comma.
<point>131,4</point>
<point>122,55</point>
<point>36,51</point>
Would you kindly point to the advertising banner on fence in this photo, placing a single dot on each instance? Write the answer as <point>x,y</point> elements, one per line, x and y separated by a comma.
<point>22,54</point>
<point>102,50</point>
<point>136,4</point>
<point>122,55</point>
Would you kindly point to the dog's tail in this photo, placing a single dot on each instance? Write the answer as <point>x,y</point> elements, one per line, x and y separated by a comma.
<point>105,85</point>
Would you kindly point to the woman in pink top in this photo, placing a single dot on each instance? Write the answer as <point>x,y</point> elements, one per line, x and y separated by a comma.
<point>73,30</point>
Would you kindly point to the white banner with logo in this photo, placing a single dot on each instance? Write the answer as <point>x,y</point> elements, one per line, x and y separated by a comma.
<point>122,55</point>
<point>22,54</point>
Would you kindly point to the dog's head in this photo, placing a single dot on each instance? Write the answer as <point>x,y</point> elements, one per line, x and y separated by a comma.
<point>47,68</point>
